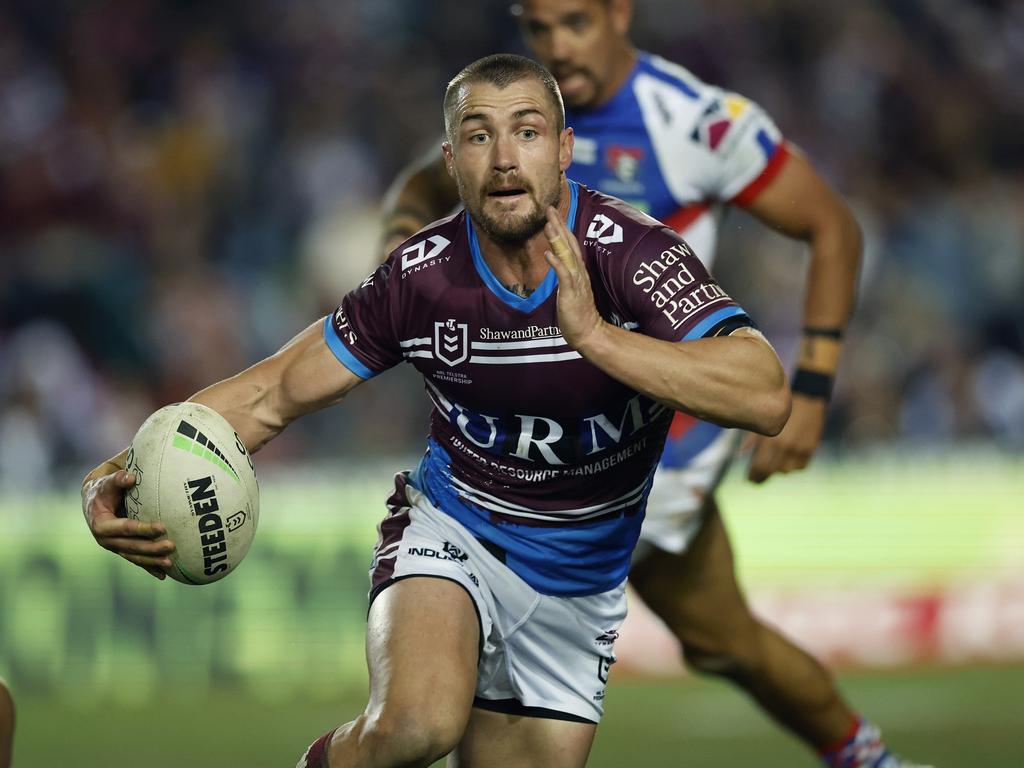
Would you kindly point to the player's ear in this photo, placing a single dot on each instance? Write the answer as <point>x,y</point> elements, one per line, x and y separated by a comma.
<point>565,145</point>
<point>447,154</point>
<point>621,13</point>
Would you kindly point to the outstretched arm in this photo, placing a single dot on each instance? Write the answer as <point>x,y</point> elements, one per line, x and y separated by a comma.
<point>420,194</point>
<point>259,403</point>
<point>799,203</point>
<point>733,380</point>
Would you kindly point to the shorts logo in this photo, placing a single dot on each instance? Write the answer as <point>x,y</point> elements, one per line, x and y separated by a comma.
<point>607,638</point>
<point>604,230</point>
<point>451,342</point>
<point>454,552</point>
<point>604,665</point>
<point>418,253</point>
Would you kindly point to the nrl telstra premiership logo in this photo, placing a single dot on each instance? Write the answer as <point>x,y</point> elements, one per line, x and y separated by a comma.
<point>451,342</point>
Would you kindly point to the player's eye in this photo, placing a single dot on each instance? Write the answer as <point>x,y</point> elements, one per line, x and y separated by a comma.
<point>528,133</point>
<point>535,29</point>
<point>577,22</point>
<point>477,138</point>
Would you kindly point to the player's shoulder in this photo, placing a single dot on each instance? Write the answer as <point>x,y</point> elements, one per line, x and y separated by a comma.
<point>608,224</point>
<point>672,76</point>
<point>709,111</point>
<point>419,257</point>
<point>676,77</point>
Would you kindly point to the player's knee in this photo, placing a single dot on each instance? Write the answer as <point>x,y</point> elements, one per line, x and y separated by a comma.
<point>417,737</point>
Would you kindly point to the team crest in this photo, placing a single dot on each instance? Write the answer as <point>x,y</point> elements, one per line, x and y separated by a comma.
<point>624,162</point>
<point>451,342</point>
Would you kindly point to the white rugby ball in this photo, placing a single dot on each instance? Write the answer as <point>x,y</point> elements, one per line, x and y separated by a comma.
<point>196,477</point>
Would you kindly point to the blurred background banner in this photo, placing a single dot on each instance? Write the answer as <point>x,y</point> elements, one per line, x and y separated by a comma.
<point>871,563</point>
<point>184,185</point>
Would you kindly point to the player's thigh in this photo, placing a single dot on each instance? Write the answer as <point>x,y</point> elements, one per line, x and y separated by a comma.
<point>695,593</point>
<point>497,740</point>
<point>422,646</point>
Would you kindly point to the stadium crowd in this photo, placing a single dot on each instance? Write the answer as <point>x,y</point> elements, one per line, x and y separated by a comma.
<point>184,183</point>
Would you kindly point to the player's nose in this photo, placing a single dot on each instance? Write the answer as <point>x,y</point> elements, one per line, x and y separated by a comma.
<point>504,155</point>
<point>560,51</point>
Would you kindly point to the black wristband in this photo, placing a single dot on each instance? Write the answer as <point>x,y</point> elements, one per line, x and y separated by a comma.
<point>828,333</point>
<point>811,384</point>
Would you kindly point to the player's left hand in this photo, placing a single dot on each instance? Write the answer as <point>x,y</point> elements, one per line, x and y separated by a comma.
<point>578,317</point>
<point>793,447</point>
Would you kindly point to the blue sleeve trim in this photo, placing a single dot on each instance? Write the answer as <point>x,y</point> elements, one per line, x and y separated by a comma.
<point>709,322</point>
<point>767,145</point>
<point>341,352</point>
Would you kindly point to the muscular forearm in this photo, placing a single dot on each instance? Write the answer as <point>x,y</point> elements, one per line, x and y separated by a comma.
<point>800,204</point>
<point>830,293</point>
<point>261,401</point>
<point>735,381</point>
<point>832,274</point>
<point>303,376</point>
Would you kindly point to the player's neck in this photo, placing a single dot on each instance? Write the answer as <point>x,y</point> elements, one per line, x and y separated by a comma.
<point>522,267</point>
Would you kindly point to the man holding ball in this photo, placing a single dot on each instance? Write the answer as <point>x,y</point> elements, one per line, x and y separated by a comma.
<point>557,331</point>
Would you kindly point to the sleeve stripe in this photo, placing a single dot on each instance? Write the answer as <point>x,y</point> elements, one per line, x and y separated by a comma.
<point>346,358</point>
<point>749,193</point>
<point>700,329</point>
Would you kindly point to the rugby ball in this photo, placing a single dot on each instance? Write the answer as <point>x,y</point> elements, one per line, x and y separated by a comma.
<point>195,476</point>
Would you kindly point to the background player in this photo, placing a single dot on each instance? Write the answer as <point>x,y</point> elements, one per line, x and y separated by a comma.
<point>554,377</point>
<point>652,133</point>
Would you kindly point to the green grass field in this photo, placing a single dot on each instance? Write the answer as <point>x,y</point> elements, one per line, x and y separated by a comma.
<point>955,718</point>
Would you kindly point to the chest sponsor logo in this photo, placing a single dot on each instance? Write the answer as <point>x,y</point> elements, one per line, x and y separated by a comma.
<point>669,283</point>
<point>604,230</point>
<point>521,334</point>
<point>425,253</point>
<point>624,162</point>
<point>451,342</point>
<point>557,443</point>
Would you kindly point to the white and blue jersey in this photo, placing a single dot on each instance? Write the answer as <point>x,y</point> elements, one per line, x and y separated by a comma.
<point>679,150</point>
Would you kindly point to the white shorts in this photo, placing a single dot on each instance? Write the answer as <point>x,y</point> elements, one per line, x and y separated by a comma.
<point>676,502</point>
<point>540,655</point>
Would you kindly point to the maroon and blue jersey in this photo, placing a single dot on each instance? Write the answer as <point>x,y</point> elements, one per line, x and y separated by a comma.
<point>532,448</point>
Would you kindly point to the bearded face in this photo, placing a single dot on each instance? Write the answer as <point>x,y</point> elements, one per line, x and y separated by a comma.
<point>507,156</point>
<point>509,209</point>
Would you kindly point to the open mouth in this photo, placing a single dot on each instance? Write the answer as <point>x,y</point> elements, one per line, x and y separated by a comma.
<point>507,192</point>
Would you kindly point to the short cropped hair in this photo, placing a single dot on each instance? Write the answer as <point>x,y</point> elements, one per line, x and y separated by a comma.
<point>501,69</point>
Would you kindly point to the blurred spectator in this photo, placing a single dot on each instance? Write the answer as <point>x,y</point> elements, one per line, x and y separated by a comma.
<point>183,185</point>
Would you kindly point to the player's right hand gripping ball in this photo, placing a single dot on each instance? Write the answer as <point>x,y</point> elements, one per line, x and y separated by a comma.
<point>195,476</point>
